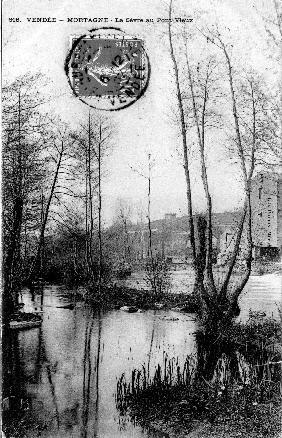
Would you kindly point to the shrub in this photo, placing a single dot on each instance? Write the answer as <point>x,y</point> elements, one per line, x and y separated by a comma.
<point>158,276</point>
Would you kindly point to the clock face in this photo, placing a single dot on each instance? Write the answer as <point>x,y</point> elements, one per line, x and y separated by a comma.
<point>108,71</point>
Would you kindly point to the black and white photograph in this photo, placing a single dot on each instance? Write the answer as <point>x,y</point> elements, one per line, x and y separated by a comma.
<point>141,220</point>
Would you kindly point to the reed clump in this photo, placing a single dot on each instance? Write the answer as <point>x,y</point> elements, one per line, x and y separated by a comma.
<point>246,403</point>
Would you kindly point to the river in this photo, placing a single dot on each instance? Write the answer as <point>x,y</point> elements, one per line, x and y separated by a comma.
<point>68,368</point>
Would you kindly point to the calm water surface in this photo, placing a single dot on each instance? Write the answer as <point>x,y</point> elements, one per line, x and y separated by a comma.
<point>69,367</point>
<point>262,293</point>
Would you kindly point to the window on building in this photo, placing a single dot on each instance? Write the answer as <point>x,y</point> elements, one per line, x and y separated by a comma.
<point>260,190</point>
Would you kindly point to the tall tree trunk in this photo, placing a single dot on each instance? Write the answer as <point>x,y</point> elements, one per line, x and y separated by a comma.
<point>201,291</point>
<point>46,215</point>
<point>12,279</point>
<point>86,214</point>
<point>87,376</point>
<point>98,359</point>
<point>12,276</point>
<point>150,249</point>
<point>100,213</point>
<point>90,201</point>
<point>247,176</point>
<point>201,141</point>
<point>184,141</point>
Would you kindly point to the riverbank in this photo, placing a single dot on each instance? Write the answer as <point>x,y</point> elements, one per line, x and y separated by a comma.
<point>118,297</point>
<point>24,320</point>
<point>51,360</point>
<point>262,268</point>
<point>229,419</point>
<point>262,420</point>
<point>245,405</point>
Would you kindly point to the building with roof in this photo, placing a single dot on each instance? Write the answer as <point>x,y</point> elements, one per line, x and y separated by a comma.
<point>266,205</point>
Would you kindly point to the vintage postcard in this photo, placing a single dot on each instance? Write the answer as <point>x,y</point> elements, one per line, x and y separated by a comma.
<point>141,218</point>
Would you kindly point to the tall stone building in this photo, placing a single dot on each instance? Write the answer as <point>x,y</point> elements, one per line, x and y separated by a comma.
<point>266,203</point>
<point>266,214</point>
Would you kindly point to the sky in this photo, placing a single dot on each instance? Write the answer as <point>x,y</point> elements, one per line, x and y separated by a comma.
<point>147,125</point>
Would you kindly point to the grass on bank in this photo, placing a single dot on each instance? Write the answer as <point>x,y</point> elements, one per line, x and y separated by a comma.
<point>115,297</point>
<point>246,405</point>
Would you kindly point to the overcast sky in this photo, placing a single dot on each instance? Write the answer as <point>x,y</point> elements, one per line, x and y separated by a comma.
<point>146,126</point>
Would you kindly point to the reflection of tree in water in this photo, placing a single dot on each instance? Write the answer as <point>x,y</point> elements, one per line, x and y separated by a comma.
<point>68,417</point>
<point>13,372</point>
<point>42,360</point>
<point>87,369</point>
<point>151,342</point>
<point>96,424</point>
<point>15,379</point>
<point>38,363</point>
<point>16,402</point>
<point>87,376</point>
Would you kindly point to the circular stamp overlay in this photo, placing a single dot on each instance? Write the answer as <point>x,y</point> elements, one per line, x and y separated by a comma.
<point>107,69</point>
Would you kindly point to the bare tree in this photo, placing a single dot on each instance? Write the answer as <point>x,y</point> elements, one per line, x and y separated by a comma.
<point>157,271</point>
<point>148,176</point>
<point>203,90</point>
<point>23,144</point>
<point>247,172</point>
<point>271,13</point>
<point>93,142</point>
<point>217,301</point>
<point>256,109</point>
<point>59,153</point>
<point>123,218</point>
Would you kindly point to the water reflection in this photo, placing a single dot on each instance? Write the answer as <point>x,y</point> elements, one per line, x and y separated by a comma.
<point>65,373</point>
<point>71,364</point>
<point>91,373</point>
<point>87,370</point>
<point>17,390</point>
<point>96,424</point>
